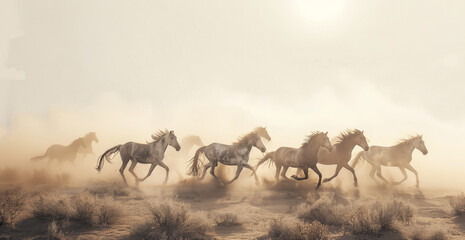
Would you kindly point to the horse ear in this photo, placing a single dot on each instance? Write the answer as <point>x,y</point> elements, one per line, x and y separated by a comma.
<point>326,133</point>
<point>171,132</point>
<point>363,131</point>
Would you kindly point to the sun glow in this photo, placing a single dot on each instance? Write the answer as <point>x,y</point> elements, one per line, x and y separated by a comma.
<point>320,10</point>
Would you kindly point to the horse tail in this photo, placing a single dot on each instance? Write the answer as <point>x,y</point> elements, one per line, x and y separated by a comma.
<point>38,158</point>
<point>108,155</point>
<point>194,164</point>
<point>360,157</point>
<point>268,157</point>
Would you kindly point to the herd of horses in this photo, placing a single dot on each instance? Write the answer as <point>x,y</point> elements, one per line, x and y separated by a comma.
<point>316,149</point>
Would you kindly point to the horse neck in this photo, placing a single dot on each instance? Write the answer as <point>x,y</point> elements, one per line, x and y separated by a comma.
<point>311,150</point>
<point>163,145</point>
<point>247,146</point>
<point>347,144</point>
<point>407,147</point>
<point>74,144</point>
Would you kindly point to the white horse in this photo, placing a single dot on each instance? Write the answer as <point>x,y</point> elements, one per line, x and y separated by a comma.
<point>150,153</point>
<point>235,154</point>
<point>399,155</point>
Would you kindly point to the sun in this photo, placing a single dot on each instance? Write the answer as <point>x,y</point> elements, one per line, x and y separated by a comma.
<point>320,10</point>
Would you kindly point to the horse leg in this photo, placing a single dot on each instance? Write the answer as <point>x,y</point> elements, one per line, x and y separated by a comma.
<point>246,165</point>
<point>283,173</point>
<point>131,170</point>
<point>167,169</point>
<point>317,171</point>
<point>402,169</point>
<point>150,171</point>
<point>411,169</point>
<point>238,172</point>
<point>372,174</point>
<point>380,175</point>
<point>278,169</point>
<point>301,178</point>
<point>121,170</point>
<point>338,169</point>
<point>353,173</point>
<point>212,172</point>
<point>205,168</point>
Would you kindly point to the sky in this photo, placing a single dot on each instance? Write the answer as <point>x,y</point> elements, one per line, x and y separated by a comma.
<point>220,68</point>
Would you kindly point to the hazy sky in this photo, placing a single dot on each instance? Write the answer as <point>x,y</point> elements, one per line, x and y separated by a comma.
<point>247,56</point>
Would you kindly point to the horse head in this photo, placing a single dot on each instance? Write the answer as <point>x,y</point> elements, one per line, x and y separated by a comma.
<point>261,131</point>
<point>172,140</point>
<point>419,144</point>
<point>259,144</point>
<point>361,141</point>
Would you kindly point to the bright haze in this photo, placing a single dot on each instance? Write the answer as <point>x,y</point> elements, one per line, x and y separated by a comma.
<point>218,69</point>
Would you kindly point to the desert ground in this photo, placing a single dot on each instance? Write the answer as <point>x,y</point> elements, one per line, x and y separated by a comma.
<point>427,212</point>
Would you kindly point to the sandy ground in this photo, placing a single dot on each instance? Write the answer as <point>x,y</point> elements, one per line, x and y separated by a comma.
<point>256,207</point>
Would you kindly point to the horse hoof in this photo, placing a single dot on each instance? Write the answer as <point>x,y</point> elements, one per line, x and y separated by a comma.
<point>356,184</point>
<point>326,180</point>
<point>317,186</point>
<point>294,176</point>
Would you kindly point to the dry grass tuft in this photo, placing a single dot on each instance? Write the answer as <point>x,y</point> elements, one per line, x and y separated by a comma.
<point>12,204</point>
<point>227,220</point>
<point>172,219</point>
<point>54,231</point>
<point>326,212</point>
<point>85,208</point>
<point>420,233</point>
<point>458,204</point>
<point>378,217</point>
<point>114,190</point>
<point>297,230</point>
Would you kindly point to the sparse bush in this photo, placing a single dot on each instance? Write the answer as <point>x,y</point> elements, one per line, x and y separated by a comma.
<point>227,220</point>
<point>115,190</point>
<point>296,230</point>
<point>53,207</point>
<point>85,208</point>
<point>378,217</point>
<point>422,234</point>
<point>325,212</point>
<point>12,204</point>
<point>458,204</point>
<point>172,219</point>
<point>54,231</point>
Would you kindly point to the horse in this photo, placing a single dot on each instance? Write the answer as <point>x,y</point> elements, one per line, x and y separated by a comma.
<point>399,155</point>
<point>150,153</point>
<point>62,153</point>
<point>235,154</point>
<point>342,152</point>
<point>88,139</point>
<point>303,158</point>
<point>188,142</point>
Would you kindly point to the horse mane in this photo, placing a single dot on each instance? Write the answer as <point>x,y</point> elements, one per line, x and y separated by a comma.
<point>258,129</point>
<point>159,135</point>
<point>408,139</point>
<point>310,137</point>
<point>76,140</point>
<point>346,134</point>
<point>245,138</point>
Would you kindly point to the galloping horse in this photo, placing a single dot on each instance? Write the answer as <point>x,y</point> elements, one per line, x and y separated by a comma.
<point>399,155</point>
<point>304,157</point>
<point>235,154</point>
<point>62,153</point>
<point>150,153</point>
<point>342,152</point>
<point>188,142</point>
<point>88,139</point>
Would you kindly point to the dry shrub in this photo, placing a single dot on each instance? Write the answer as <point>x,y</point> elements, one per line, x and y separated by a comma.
<point>53,207</point>
<point>12,204</point>
<point>420,233</point>
<point>95,211</point>
<point>458,204</point>
<point>85,208</point>
<point>227,220</point>
<point>172,219</point>
<point>115,190</point>
<point>326,212</point>
<point>297,230</point>
<point>54,231</point>
<point>377,217</point>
